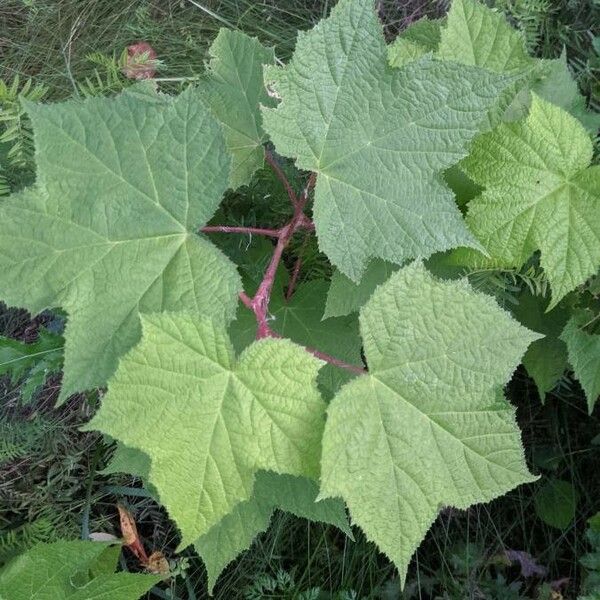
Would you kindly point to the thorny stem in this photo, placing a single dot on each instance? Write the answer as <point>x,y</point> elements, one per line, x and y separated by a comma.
<point>259,304</point>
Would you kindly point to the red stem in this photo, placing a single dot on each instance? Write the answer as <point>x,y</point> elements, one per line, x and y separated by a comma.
<point>247,230</point>
<point>296,271</point>
<point>337,362</point>
<point>259,304</point>
<point>318,354</point>
<point>246,300</point>
<point>282,177</point>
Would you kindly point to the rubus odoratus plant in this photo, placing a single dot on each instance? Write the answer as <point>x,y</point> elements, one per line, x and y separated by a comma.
<point>447,152</point>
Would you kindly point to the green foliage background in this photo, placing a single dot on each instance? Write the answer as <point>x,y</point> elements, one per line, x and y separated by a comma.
<point>51,485</point>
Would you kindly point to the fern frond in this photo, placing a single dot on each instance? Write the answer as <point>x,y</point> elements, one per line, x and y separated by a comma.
<point>15,129</point>
<point>46,527</point>
<point>107,78</point>
<point>4,185</point>
<point>529,16</point>
<point>22,438</point>
<point>507,284</point>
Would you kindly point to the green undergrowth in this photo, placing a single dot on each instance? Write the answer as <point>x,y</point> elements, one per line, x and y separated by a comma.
<point>51,481</point>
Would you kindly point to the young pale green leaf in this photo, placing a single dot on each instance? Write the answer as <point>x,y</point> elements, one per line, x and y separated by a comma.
<point>541,194</point>
<point>476,35</point>
<point>546,359</point>
<point>584,356</point>
<point>62,571</point>
<point>209,421</point>
<point>109,233</point>
<point>428,426</point>
<point>346,297</point>
<point>236,531</point>
<point>378,138</point>
<point>301,319</point>
<point>234,91</point>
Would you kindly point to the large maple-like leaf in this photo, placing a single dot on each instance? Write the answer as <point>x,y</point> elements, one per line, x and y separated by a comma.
<point>75,570</point>
<point>109,232</point>
<point>541,194</point>
<point>236,531</point>
<point>207,420</point>
<point>235,90</point>
<point>428,426</point>
<point>378,138</point>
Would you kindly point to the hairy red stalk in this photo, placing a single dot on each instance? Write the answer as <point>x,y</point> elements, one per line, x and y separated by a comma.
<point>308,224</point>
<point>337,362</point>
<point>246,300</point>
<point>296,271</point>
<point>321,355</point>
<point>246,230</point>
<point>282,177</point>
<point>259,304</point>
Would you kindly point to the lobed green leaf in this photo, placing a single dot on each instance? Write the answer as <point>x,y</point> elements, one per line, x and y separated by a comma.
<point>209,421</point>
<point>379,138</point>
<point>428,426</point>
<point>109,232</point>
<point>540,194</point>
